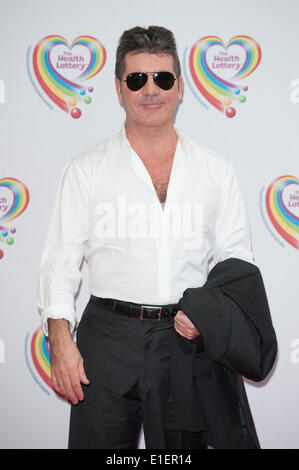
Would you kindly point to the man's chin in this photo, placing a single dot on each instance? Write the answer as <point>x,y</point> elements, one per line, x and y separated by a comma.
<point>155,121</point>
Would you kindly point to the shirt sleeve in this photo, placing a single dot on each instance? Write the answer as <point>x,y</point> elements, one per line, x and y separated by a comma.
<point>60,273</point>
<point>232,237</point>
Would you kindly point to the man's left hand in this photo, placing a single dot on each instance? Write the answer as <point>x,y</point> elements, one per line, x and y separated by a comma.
<point>184,326</point>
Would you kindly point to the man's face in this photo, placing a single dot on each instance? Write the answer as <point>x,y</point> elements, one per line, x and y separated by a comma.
<point>150,106</point>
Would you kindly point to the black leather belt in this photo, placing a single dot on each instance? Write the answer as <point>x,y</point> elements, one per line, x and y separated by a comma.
<point>144,312</point>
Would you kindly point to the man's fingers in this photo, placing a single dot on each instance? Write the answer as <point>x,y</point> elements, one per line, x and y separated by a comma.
<point>183,329</point>
<point>70,393</point>
<point>76,387</point>
<point>183,319</point>
<point>76,380</point>
<point>184,326</point>
<point>56,384</point>
<point>180,331</point>
<point>83,377</point>
<point>69,386</point>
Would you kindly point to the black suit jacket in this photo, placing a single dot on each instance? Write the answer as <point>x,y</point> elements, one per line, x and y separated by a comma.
<point>237,339</point>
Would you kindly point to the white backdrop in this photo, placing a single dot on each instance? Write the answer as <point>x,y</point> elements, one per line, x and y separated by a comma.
<point>37,139</point>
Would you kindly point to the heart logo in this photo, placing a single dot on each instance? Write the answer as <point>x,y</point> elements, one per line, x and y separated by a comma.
<point>214,64</point>
<point>62,69</point>
<point>282,205</point>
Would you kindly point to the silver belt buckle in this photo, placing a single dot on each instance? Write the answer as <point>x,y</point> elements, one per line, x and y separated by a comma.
<point>150,306</point>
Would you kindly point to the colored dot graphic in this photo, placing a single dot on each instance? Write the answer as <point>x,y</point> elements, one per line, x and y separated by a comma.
<point>12,207</point>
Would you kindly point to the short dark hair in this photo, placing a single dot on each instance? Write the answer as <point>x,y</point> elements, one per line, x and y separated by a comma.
<point>154,40</point>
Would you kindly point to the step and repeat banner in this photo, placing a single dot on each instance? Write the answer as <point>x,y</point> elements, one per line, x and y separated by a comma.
<point>240,66</point>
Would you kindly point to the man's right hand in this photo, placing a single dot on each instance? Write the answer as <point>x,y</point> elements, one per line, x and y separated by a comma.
<point>67,371</point>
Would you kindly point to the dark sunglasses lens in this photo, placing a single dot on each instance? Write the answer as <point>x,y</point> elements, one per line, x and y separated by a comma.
<point>164,80</point>
<point>135,81</point>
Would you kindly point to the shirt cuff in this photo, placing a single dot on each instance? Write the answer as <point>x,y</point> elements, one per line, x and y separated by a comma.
<point>59,312</point>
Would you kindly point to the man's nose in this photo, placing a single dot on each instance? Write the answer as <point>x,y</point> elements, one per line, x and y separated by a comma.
<point>150,88</point>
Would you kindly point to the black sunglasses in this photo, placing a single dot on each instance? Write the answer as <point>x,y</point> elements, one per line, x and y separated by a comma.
<point>135,81</point>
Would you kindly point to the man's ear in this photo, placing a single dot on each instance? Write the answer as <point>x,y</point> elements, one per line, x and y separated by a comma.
<point>118,91</point>
<point>181,87</point>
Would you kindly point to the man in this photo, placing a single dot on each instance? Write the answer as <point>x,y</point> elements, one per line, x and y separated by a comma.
<point>148,209</point>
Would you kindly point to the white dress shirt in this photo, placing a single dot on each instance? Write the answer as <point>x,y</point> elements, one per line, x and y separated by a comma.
<point>108,212</point>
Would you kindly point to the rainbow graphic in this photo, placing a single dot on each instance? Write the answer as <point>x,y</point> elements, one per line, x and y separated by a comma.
<point>20,198</point>
<point>62,91</point>
<point>282,217</point>
<point>41,355</point>
<point>218,91</point>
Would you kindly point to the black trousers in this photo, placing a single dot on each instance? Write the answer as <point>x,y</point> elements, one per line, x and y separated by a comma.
<point>126,361</point>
